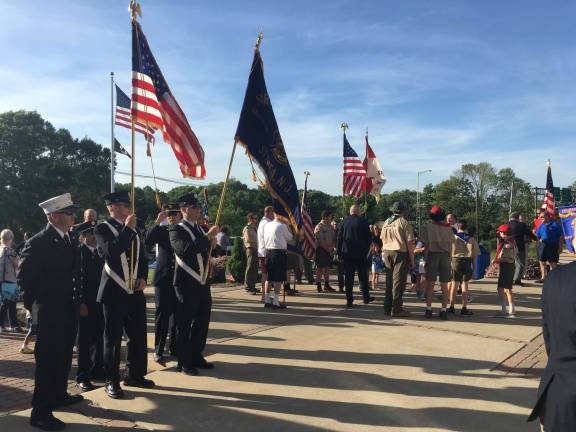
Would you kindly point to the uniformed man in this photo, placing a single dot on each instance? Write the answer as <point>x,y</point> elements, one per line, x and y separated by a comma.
<point>191,246</point>
<point>48,275</point>
<point>398,253</point>
<point>163,282</point>
<point>91,325</point>
<point>325,242</point>
<point>250,238</point>
<point>122,297</point>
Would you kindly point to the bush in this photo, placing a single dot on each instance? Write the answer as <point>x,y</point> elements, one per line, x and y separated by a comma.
<point>236,264</point>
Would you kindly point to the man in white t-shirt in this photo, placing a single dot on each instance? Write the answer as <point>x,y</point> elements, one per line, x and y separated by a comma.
<point>268,216</point>
<point>276,238</point>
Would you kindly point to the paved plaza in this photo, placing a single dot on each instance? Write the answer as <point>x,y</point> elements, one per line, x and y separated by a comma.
<point>318,366</point>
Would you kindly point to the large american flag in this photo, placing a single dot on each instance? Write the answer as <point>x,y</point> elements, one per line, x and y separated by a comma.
<point>354,171</point>
<point>154,105</point>
<point>308,239</point>
<point>123,117</point>
<point>548,203</point>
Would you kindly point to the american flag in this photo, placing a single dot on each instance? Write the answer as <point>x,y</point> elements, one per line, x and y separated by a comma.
<point>154,105</point>
<point>354,171</point>
<point>124,119</point>
<point>308,239</point>
<point>548,203</point>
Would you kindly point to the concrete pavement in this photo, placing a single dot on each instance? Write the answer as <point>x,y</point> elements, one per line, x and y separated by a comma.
<point>318,366</point>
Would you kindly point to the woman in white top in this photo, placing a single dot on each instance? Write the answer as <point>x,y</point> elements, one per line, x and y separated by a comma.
<point>8,268</point>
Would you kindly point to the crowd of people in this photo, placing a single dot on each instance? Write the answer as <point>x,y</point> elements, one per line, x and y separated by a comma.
<point>82,285</point>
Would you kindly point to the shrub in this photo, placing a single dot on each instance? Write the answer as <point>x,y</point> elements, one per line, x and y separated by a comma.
<point>236,264</point>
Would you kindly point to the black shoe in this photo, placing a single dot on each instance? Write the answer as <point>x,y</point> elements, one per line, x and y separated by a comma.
<point>279,306</point>
<point>267,305</point>
<point>428,313</point>
<point>349,305</point>
<point>203,364</point>
<point>47,423</point>
<point>328,288</point>
<point>85,385</point>
<point>443,315</point>
<point>466,312</point>
<point>69,399</point>
<point>192,371</point>
<point>138,382</point>
<point>114,390</point>
<point>340,289</point>
<point>369,300</point>
<point>519,283</point>
<point>160,360</point>
<point>451,310</point>
<point>318,287</point>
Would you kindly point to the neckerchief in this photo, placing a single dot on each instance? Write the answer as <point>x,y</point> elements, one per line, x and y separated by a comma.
<point>392,218</point>
<point>464,236</point>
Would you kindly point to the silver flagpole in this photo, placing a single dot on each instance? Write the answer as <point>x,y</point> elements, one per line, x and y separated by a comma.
<point>112,153</point>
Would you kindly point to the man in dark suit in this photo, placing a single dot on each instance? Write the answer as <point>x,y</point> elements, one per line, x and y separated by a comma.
<point>122,296</point>
<point>91,325</point>
<point>163,281</point>
<point>557,392</point>
<point>352,247</point>
<point>191,246</point>
<point>48,275</point>
<point>521,233</point>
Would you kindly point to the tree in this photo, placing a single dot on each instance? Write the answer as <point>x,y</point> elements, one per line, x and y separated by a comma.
<point>236,264</point>
<point>39,162</point>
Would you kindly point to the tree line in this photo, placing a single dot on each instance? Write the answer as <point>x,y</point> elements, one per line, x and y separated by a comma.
<point>39,161</point>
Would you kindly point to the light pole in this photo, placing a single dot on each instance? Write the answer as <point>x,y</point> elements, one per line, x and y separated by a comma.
<point>418,198</point>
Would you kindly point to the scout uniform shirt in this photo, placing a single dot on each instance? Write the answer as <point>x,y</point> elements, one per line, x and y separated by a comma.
<point>437,238</point>
<point>465,246</point>
<point>396,234</point>
<point>325,236</point>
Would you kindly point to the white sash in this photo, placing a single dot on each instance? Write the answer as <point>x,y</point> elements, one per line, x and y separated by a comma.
<point>124,282</point>
<point>200,277</point>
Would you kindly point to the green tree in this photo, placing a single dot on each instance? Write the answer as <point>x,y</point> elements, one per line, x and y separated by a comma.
<point>236,264</point>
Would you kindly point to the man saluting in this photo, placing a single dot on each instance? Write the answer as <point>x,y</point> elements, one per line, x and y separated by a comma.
<point>122,297</point>
<point>191,246</point>
<point>48,275</point>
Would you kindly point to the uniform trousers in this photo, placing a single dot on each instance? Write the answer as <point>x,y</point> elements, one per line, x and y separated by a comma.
<point>91,344</point>
<point>251,275</point>
<point>193,313</point>
<point>129,316</point>
<point>351,266</point>
<point>396,268</point>
<point>57,325</point>
<point>165,318</point>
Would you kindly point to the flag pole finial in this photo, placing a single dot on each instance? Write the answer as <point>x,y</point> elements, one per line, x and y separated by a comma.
<point>366,130</point>
<point>306,173</point>
<point>549,163</point>
<point>135,10</point>
<point>344,126</point>
<point>258,41</point>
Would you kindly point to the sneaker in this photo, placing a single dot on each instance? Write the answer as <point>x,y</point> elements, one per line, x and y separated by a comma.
<point>328,288</point>
<point>510,315</point>
<point>466,312</point>
<point>26,350</point>
<point>451,310</point>
<point>443,315</point>
<point>428,313</point>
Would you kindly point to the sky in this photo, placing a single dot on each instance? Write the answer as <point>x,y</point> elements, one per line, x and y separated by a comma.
<point>437,83</point>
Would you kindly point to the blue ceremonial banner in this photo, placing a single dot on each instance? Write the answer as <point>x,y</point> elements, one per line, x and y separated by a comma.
<point>258,133</point>
<point>568,220</point>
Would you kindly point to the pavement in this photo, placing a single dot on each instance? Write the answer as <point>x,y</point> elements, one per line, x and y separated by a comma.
<point>318,366</point>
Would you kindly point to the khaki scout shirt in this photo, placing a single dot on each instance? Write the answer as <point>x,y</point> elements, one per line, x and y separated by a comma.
<point>508,252</point>
<point>250,237</point>
<point>462,249</point>
<point>325,236</point>
<point>396,235</point>
<point>437,238</point>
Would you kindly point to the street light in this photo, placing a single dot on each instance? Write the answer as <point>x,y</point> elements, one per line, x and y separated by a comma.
<point>418,198</point>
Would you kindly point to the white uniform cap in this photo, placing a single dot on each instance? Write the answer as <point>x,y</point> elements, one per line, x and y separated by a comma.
<point>58,203</point>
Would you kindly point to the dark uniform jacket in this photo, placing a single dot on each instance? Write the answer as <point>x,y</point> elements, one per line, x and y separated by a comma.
<point>187,250</point>
<point>557,391</point>
<point>519,231</point>
<point>111,248</point>
<point>49,270</point>
<point>354,237</point>
<point>164,273</point>
<point>91,265</point>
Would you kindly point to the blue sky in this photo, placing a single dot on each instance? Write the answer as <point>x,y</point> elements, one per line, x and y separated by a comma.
<point>438,83</point>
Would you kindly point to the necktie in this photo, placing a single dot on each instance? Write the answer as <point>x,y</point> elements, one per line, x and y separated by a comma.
<point>67,240</point>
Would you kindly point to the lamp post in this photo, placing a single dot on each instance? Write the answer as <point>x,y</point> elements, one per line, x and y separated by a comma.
<point>418,197</point>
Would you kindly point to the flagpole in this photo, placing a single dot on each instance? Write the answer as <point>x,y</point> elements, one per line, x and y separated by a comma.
<point>366,176</point>
<point>343,126</point>
<point>306,173</point>
<point>112,153</point>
